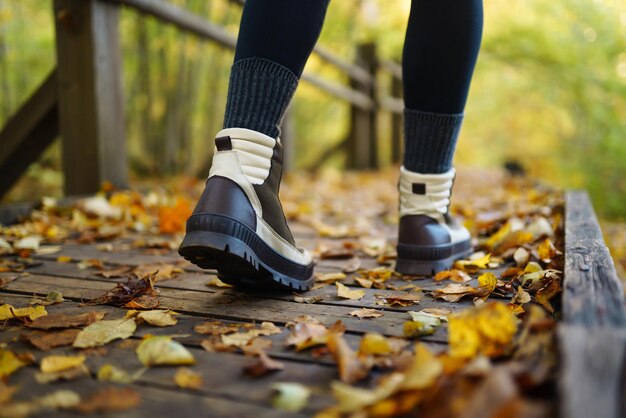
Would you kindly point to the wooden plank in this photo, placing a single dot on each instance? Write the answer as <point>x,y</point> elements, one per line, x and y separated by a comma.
<point>91,100</point>
<point>233,306</point>
<point>592,333</point>
<point>591,381</point>
<point>29,132</point>
<point>592,293</point>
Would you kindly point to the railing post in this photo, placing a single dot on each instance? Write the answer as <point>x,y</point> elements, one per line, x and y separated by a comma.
<point>396,121</point>
<point>91,100</point>
<point>362,144</point>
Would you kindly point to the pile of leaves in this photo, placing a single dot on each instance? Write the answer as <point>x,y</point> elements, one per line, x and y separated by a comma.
<point>500,358</point>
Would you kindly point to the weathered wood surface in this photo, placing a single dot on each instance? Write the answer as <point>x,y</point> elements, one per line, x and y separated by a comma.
<point>29,132</point>
<point>91,99</point>
<point>592,334</point>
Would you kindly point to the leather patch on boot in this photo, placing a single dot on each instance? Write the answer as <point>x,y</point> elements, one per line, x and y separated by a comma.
<point>419,188</point>
<point>223,143</point>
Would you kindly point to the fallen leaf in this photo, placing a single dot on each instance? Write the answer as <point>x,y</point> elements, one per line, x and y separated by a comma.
<point>473,264</point>
<point>521,257</point>
<point>123,293</point>
<point>421,324</point>
<point>61,399</point>
<point>60,320</point>
<point>329,277</point>
<point>102,332</point>
<point>546,250</point>
<point>71,373</point>
<point>351,368</point>
<point>188,379</point>
<point>351,265</point>
<point>263,365</point>
<point>344,292</point>
<point>161,351</point>
<point>487,330</point>
<point>32,312</point>
<point>216,282</point>
<point>307,299</point>
<point>453,292</point>
<point>366,283</point>
<point>50,299</point>
<point>110,373</point>
<point>366,313</point>
<point>52,364</point>
<point>375,344</point>
<point>241,339</point>
<point>458,276</point>
<point>291,397</point>
<point>110,399</point>
<point>48,340</point>
<point>440,313</point>
<point>215,328</point>
<point>352,399</point>
<point>116,272</point>
<point>159,317</point>
<point>9,363</point>
<point>424,371</point>
<point>399,300</point>
<point>547,293</point>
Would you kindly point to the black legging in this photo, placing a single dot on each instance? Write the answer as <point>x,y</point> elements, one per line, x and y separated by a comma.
<point>440,49</point>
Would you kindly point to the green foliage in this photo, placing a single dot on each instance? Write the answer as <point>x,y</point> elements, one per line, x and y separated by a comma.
<point>549,89</point>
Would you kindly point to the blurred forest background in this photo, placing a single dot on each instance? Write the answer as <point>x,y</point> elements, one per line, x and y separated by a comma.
<point>549,89</point>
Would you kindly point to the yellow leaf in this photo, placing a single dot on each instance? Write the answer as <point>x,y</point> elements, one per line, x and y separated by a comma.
<point>216,282</point>
<point>157,317</point>
<point>9,363</point>
<point>291,397</point>
<point>162,350</point>
<point>188,379</point>
<point>424,370</point>
<point>344,292</point>
<point>374,343</point>
<point>32,312</point>
<point>53,364</point>
<point>64,259</point>
<point>487,330</point>
<point>110,373</point>
<point>102,332</point>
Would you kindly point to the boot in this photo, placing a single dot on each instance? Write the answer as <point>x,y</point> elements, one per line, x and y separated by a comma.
<point>429,239</point>
<point>238,226</point>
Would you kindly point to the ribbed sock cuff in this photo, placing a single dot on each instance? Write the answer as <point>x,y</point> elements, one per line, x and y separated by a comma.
<point>430,140</point>
<point>259,92</point>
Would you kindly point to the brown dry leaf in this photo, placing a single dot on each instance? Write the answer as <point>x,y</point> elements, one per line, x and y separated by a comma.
<point>123,293</point>
<point>6,392</point>
<point>399,300</point>
<point>149,301</point>
<point>53,364</point>
<point>216,282</point>
<point>188,379</point>
<point>366,313</point>
<point>453,292</point>
<point>520,297</point>
<point>31,312</point>
<point>50,299</point>
<point>458,276</point>
<point>9,363</point>
<point>90,263</point>
<point>163,351</point>
<point>48,340</point>
<point>304,335</point>
<point>115,272</point>
<point>487,330</point>
<point>351,368</point>
<point>344,292</point>
<point>240,339</point>
<point>441,313</point>
<point>263,365</point>
<point>158,272</point>
<point>60,320</point>
<point>110,399</point>
<point>215,328</point>
<point>547,292</point>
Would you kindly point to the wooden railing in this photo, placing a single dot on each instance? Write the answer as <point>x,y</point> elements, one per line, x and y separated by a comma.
<point>82,99</point>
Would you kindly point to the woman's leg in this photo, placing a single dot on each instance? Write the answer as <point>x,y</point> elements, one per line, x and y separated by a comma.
<point>238,226</point>
<point>275,40</point>
<point>442,43</point>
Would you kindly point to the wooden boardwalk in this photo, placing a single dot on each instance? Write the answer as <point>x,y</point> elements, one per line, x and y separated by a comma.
<point>226,389</point>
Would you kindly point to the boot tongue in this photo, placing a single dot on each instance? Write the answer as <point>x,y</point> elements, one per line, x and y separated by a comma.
<point>425,194</point>
<point>254,151</point>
